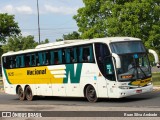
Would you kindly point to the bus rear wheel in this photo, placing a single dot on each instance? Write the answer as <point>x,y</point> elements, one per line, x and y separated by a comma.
<point>28,93</point>
<point>21,94</point>
<point>91,94</point>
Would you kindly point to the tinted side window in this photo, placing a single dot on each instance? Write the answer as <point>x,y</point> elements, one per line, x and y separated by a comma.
<point>71,55</point>
<point>12,62</point>
<point>20,61</point>
<point>86,54</point>
<point>104,61</point>
<point>6,62</point>
<point>43,58</point>
<point>56,57</point>
<point>102,50</point>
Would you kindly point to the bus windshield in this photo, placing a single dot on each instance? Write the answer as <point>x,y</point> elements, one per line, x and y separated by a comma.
<point>134,66</point>
<point>127,47</point>
<point>134,60</point>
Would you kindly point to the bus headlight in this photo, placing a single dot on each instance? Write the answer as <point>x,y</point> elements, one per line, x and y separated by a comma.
<point>150,83</point>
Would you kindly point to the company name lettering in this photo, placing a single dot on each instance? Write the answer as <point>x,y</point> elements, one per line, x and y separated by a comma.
<point>36,72</point>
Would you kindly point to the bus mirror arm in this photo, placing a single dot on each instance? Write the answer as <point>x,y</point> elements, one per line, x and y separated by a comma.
<point>155,55</point>
<point>118,60</point>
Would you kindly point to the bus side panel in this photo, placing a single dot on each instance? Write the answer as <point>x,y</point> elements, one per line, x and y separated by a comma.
<point>102,86</point>
<point>73,90</point>
<point>89,76</point>
<point>58,90</point>
<point>75,85</point>
<point>71,83</point>
<point>8,87</point>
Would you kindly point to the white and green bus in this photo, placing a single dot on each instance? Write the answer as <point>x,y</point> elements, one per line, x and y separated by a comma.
<point>112,67</point>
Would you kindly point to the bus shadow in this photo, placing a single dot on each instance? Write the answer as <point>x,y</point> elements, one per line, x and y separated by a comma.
<point>142,97</point>
<point>51,98</point>
<point>134,98</point>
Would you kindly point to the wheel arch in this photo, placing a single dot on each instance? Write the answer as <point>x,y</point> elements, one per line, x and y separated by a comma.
<point>21,87</point>
<point>17,88</point>
<point>90,92</point>
<point>26,87</point>
<point>85,87</point>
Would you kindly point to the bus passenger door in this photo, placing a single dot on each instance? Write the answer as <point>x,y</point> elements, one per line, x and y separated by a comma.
<point>101,50</point>
<point>102,86</point>
<point>110,76</point>
<point>107,81</point>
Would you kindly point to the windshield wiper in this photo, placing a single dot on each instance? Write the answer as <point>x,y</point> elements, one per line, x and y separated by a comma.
<point>142,71</point>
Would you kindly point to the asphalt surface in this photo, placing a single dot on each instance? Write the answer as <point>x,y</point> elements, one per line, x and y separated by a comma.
<point>149,100</point>
<point>145,103</point>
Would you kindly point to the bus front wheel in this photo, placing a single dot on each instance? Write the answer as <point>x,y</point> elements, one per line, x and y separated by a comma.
<point>21,94</point>
<point>28,92</point>
<point>90,94</point>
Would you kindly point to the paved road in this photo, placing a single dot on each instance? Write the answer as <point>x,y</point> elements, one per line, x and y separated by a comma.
<point>149,100</point>
<point>142,103</point>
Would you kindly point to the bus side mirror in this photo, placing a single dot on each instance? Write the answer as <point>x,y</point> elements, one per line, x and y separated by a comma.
<point>118,60</point>
<point>155,56</point>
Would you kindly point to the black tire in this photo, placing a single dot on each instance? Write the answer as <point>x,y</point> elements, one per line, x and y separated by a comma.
<point>28,93</point>
<point>90,94</point>
<point>21,94</point>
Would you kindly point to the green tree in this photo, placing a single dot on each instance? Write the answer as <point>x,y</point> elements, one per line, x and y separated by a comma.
<point>8,27</point>
<point>45,41</point>
<point>58,40</point>
<point>1,51</point>
<point>19,43</point>
<point>91,19</point>
<point>72,36</point>
<point>136,18</point>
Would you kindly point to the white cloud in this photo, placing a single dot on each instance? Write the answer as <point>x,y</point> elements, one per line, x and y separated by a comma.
<point>61,9</point>
<point>13,10</point>
<point>24,10</point>
<point>7,9</point>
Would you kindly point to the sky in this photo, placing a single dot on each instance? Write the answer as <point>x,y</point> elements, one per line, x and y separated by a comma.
<point>56,16</point>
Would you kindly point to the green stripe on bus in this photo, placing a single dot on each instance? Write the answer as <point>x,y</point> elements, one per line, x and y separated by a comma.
<point>6,76</point>
<point>74,76</point>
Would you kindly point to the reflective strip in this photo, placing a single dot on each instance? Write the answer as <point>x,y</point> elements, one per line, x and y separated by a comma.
<point>57,67</point>
<point>60,76</point>
<point>58,72</point>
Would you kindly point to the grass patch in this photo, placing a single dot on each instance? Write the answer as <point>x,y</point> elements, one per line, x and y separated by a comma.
<point>156,78</point>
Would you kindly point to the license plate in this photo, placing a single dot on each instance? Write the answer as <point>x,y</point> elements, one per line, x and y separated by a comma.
<point>138,91</point>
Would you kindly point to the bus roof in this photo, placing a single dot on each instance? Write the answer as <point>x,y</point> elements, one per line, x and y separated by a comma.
<point>68,43</point>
